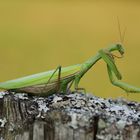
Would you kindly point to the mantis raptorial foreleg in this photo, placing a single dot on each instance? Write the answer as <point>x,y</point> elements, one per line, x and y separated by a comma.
<point>108,58</point>
<point>113,71</point>
<point>128,88</point>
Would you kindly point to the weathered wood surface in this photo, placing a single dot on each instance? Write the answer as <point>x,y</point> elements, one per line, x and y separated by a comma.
<point>68,117</point>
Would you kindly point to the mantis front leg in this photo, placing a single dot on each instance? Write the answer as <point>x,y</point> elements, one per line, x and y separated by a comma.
<point>128,88</point>
<point>112,69</point>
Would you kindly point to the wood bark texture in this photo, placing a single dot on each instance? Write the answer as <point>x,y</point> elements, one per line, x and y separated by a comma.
<point>67,117</point>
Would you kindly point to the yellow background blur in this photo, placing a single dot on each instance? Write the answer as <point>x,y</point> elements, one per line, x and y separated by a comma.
<point>39,36</point>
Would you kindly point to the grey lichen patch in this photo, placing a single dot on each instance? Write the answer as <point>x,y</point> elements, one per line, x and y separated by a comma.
<point>82,108</point>
<point>3,93</point>
<point>3,122</point>
<point>115,110</point>
<point>102,124</point>
<point>119,110</point>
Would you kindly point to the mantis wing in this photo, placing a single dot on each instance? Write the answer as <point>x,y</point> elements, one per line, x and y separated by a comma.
<point>39,78</point>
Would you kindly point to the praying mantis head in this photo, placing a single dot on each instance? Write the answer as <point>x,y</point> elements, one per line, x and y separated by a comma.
<point>120,48</point>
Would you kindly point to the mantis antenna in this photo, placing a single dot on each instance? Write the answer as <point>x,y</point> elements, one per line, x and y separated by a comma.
<point>122,35</point>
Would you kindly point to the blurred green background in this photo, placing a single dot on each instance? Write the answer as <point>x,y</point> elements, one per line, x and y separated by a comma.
<point>39,36</point>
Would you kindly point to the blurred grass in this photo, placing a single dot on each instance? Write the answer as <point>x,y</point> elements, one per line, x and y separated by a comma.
<point>39,36</point>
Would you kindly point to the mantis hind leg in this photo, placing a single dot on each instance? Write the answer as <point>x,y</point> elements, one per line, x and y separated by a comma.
<point>69,86</point>
<point>58,80</point>
<point>77,80</point>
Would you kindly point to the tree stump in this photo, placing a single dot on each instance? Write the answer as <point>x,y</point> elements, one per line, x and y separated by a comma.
<point>67,117</point>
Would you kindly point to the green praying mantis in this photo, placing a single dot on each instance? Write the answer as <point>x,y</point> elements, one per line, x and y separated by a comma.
<point>61,79</point>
